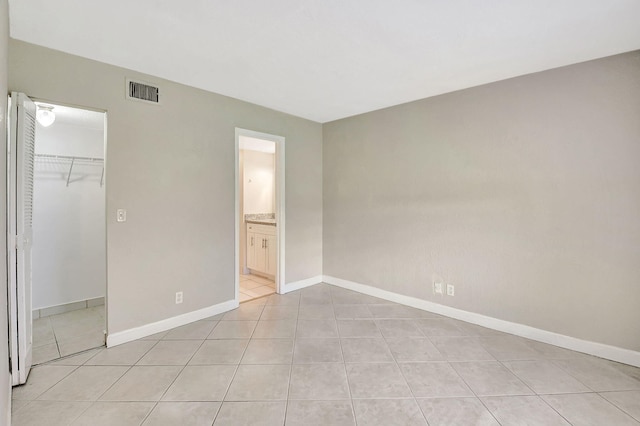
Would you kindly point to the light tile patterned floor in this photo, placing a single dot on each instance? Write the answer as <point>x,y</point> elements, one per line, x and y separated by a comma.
<point>327,356</point>
<point>60,335</point>
<point>254,286</point>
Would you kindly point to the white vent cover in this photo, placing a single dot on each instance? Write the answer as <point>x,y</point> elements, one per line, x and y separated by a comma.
<point>141,91</point>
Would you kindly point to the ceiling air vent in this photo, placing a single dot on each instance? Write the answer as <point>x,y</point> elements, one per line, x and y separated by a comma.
<point>140,91</point>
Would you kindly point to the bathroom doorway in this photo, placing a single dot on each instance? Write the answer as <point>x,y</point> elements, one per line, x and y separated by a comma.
<point>260,218</point>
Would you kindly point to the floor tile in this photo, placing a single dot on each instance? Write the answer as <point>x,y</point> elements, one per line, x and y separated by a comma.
<point>366,350</point>
<point>411,349</point>
<point>291,299</point>
<point>352,311</point>
<point>308,312</point>
<point>42,332</point>
<point>279,312</point>
<point>315,298</point>
<point>320,413</point>
<point>377,381</point>
<point>319,382</point>
<point>194,331</point>
<point>588,409</point>
<point>255,302</point>
<point>598,375</point>
<point>233,330</point>
<point>201,383</point>
<point>440,327</point>
<point>398,328</point>
<point>17,404</point>
<point>45,353</point>
<point>223,351</point>
<point>434,379</point>
<point>316,328</point>
<point>457,411</point>
<point>278,329</point>
<point>627,401</point>
<point>40,380</point>
<point>183,414</point>
<point>317,350</point>
<point>244,313</point>
<point>388,412</point>
<point>80,343</point>
<point>78,359</point>
<point>125,354</point>
<point>259,383</point>
<point>461,348</point>
<point>544,377</point>
<point>394,355</point>
<point>86,383</point>
<point>489,378</point>
<point>248,284</point>
<point>142,383</point>
<point>251,414</point>
<point>170,352</point>
<point>346,297</point>
<point>511,410</point>
<point>114,413</point>
<point>358,328</point>
<point>268,351</point>
<point>506,348</point>
<point>398,311</point>
<point>47,413</point>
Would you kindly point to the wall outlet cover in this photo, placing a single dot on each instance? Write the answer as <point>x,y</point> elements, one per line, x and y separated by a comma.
<point>437,288</point>
<point>451,291</point>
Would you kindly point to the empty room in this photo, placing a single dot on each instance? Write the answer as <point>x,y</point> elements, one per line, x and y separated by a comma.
<point>320,213</point>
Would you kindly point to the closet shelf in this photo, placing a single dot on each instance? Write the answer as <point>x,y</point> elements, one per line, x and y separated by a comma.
<point>74,159</point>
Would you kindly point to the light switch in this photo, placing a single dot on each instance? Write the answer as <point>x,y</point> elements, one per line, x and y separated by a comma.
<point>121,215</point>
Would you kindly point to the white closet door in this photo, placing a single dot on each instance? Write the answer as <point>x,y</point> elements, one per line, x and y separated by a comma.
<point>21,164</point>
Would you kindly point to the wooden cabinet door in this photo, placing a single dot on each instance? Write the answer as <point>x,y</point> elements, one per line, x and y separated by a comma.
<point>261,253</point>
<point>271,254</point>
<point>252,242</point>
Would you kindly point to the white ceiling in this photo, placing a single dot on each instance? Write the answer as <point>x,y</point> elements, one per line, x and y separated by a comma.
<point>329,59</point>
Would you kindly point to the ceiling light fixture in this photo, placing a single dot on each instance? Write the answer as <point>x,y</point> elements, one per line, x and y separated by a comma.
<point>45,115</point>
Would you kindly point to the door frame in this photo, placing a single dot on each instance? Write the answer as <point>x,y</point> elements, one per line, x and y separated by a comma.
<point>280,213</point>
<point>10,239</point>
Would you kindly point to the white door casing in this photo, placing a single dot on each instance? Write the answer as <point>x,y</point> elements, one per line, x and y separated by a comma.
<point>20,213</point>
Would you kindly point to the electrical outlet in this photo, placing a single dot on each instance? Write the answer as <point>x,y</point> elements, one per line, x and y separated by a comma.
<point>451,291</point>
<point>437,288</point>
<point>121,215</point>
<point>178,297</point>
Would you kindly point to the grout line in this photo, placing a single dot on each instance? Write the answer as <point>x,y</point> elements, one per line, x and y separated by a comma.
<point>293,354</point>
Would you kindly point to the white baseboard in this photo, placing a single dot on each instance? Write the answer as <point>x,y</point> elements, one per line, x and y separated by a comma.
<point>297,285</point>
<point>601,350</point>
<point>131,334</point>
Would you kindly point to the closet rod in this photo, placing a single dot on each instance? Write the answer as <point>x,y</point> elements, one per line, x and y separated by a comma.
<point>69,157</point>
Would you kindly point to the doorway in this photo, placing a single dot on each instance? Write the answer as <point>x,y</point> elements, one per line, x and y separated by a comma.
<point>259,215</point>
<point>67,267</point>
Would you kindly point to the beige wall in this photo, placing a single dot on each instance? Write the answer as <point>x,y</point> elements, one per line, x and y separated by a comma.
<point>524,194</point>
<point>5,388</point>
<point>172,167</point>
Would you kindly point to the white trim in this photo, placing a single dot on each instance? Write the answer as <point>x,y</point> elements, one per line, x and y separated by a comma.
<point>169,323</point>
<point>601,350</point>
<point>297,285</point>
<point>280,203</point>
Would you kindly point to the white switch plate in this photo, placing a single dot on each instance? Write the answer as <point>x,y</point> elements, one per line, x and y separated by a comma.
<point>178,297</point>
<point>121,215</point>
<point>437,288</point>
<point>451,291</point>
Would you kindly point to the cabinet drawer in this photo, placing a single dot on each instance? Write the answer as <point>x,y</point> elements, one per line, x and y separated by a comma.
<point>261,229</point>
